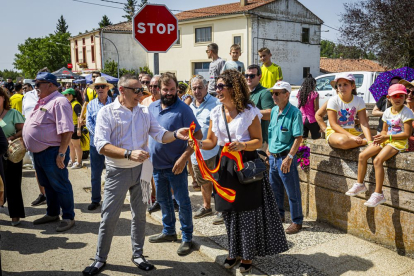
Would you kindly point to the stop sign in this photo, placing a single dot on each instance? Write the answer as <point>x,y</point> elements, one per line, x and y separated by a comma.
<point>155,28</point>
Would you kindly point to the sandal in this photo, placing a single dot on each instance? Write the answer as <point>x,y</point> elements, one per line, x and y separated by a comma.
<point>230,263</point>
<point>245,267</point>
<point>144,265</point>
<point>196,187</point>
<point>94,268</point>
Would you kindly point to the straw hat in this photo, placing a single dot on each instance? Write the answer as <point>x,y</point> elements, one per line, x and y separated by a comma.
<point>101,80</point>
<point>16,150</point>
<point>407,84</point>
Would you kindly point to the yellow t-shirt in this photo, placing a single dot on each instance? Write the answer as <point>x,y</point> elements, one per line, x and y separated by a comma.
<point>270,75</point>
<point>16,102</point>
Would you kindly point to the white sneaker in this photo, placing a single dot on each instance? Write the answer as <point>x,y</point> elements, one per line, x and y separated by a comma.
<point>70,164</point>
<point>76,165</point>
<point>375,200</point>
<point>356,189</point>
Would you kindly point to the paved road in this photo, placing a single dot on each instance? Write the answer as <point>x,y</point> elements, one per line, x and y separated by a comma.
<point>39,250</point>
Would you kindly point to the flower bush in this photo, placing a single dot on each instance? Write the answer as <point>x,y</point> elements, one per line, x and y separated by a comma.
<point>303,157</point>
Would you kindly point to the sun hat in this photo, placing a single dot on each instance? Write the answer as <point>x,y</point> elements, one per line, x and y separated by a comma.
<point>101,80</point>
<point>407,84</point>
<point>69,91</point>
<point>281,85</point>
<point>347,76</point>
<point>397,89</point>
<point>49,77</point>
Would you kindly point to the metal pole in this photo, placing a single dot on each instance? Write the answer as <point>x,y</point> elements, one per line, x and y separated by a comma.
<point>116,52</point>
<point>156,64</point>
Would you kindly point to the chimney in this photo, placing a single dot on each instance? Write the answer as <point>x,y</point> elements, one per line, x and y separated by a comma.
<point>243,3</point>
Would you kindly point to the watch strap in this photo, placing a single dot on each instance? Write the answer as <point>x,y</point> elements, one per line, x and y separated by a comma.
<point>290,156</point>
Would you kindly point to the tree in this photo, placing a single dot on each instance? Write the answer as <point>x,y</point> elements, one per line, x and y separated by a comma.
<point>130,9</point>
<point>52,51</point>
<point>382,27</point>
<point>111,68</point>
<point>105,22</point>
<point>61,26</point>
<point>9,74</point>
<point>143,2</point>
<point>330,50</point>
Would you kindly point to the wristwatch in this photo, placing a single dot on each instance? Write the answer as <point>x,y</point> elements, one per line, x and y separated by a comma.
<point>175,134</point>
<point>290,156</point>
<point>61,154</point>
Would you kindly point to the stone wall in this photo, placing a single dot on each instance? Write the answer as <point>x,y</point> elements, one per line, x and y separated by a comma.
<point>334,171</point>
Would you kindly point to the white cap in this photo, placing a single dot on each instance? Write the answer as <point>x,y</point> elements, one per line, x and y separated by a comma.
<point>281,85</point>
<point>347,76</point>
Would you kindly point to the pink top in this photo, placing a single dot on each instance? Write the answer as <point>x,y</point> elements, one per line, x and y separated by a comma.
<point>51,117</point>
<point>308,110</point>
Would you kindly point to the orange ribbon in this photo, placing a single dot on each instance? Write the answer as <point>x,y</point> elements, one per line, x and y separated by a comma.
<point>226,193</point>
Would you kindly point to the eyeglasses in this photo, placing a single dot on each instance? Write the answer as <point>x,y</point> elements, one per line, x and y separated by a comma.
<point>221,86</point>
<point>207,51</point>
<point>103,86</point>
<point>145,82</point>
<point>135,90</point>
<point>37,84</point>
<point>252,76</point>
<point>276,93</point>
<point>94,77</point>
<point>153,86</point>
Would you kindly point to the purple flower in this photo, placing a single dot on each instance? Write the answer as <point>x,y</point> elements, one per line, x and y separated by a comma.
<point>306,155</point>
<point>306,162</point>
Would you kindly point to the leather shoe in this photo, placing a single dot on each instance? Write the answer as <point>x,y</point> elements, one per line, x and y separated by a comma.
<point>93,206</point>
<point>283,219</point>
<point>92,270</point>
<point>293,228</point>
<point>144,265</point>
<point>45,219</point>
<point>155,207</point>
<point>185,248</point>
<point>163,238</point>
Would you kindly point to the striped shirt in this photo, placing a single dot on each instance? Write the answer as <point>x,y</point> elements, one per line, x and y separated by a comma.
<point>92,113</point>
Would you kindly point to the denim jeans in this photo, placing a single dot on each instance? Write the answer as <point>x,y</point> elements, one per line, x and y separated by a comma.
<point>165,180</point>
<point>59,193</point>
<point>97,166</point>
<point>290,181</point>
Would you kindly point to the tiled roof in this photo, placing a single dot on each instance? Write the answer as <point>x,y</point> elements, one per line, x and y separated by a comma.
<point>231,8</point>
<point>333,65</point>
<point>120,27</point>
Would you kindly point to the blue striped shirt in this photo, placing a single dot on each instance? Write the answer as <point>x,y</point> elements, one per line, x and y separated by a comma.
<point>92,113</point>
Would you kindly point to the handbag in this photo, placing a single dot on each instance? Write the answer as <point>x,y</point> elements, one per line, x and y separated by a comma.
<point>16,150</point>
<point>253,170</point>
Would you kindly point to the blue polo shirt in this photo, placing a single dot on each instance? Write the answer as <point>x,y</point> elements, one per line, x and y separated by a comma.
<point>284,128</point>
<point>202,113</point>
<point>178,115</point>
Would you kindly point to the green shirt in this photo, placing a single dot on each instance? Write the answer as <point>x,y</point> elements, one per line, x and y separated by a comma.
<point>262,100</point>
<point>11,118</point>
<point>284,128</point>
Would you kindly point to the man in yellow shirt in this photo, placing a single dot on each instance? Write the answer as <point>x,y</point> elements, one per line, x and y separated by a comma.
<point>90,95</point>
<point>271,72</point>
<point>16,100</point>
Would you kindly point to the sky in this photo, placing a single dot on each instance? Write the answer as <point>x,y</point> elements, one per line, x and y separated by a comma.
<point>21,19</point>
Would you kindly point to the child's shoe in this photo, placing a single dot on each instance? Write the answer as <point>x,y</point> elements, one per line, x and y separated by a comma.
<point>375,200</point>
<point>356,189</point>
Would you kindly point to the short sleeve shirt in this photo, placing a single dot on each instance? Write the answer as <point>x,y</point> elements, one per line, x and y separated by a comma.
<point>9,121</point>
<point>214,71</point>
<point>178,115</point>
<point>346,111</point>
<point>270,75</point>
<point>284,128</point>
<point>395,122</point>
<point>16,102</point>
<point>263,100</point>
<point>308,110</point>
<point>236,65</point>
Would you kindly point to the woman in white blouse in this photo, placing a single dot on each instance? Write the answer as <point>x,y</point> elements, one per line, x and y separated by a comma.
<point>252,229</point>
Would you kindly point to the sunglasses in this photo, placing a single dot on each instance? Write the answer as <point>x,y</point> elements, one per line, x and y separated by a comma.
<point>221,86</point>
<point>276,93</point>
<point>136,90</point>
<point>153,86</point>
<point>252,76</point>
<point>207,51</point>
<point>94,77</point>
<point>145,82</point>
<point>103,86</point>
<point>37,84</point>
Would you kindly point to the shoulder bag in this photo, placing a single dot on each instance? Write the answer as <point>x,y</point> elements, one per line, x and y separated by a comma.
<point>253,170</point>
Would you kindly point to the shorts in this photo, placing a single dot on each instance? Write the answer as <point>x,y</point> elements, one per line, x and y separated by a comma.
<point>211,164</point>
<point>400,145</point>
<point>329,131</point>
<point>75,134</point>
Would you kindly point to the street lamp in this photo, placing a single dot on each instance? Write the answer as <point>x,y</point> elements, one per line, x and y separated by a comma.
<point>115,49</point>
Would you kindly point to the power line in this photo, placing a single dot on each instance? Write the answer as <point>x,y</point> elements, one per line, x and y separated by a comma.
<point>330,27</point>
<point>97,4</point>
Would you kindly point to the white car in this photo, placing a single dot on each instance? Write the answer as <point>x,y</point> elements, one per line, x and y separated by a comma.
<point>363,81</point>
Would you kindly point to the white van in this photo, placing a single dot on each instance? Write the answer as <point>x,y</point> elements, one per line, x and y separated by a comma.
<point>363,81</point>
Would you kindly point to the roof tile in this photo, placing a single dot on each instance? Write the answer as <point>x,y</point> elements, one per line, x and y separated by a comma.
<point>334,65</point>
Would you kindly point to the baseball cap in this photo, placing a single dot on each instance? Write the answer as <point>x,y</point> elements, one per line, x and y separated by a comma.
<point>69,91</point>
<point>347,76</point>
<point>397,89</point>
<point>281,85</point>
<point>46,76</point>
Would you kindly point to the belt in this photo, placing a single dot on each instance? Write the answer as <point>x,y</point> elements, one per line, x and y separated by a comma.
<point>281,154</point>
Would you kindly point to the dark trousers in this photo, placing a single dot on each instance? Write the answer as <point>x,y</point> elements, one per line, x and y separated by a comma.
<point>59,193</point>
<point>97,166</point>
<point>13,188</point>
<point>313,128</point>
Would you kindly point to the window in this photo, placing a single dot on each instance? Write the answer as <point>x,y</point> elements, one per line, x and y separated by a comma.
<point>203,34</point>
<point>76,43</point>
<point>237,40</point>
<point>305,35</point>
<point>359,79</point>
<point>201,68</point>
<point>324,84</point>
<point>77,55</point>
<point>91,38</point>
<point>83,41</point>
<point>84,54</point>
<point>306,72</point>
<point>93,53</point>
<point>179,38</point>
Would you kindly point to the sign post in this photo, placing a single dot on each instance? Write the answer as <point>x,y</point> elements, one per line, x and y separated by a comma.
<point>155,28</point>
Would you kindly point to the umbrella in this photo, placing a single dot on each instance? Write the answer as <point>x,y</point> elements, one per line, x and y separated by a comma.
<point>380,86</point>
<point>108,78</point>
<point>65,73</point>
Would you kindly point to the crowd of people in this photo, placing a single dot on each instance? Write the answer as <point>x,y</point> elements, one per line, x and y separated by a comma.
<point>139,133</point>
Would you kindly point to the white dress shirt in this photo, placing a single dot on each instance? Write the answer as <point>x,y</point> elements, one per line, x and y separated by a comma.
<point>123,128</point>
<point>29,102</point>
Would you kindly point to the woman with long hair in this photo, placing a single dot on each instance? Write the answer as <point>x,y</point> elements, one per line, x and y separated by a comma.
<point>75,99</point>
<point>252,220</point>
<point>308,100</point>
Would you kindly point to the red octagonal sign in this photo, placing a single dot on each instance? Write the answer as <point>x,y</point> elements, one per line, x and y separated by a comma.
<point>155,28</point>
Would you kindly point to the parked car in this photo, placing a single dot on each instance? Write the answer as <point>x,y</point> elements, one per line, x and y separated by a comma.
<point>363,81</point>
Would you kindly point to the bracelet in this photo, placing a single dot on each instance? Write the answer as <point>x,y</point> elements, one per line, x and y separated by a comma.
<point>129,154</point>
<point>175,134</point>
<point>201,144</point>
<point>126,154</point>
<point>369,142</point>
<point>390,137</point>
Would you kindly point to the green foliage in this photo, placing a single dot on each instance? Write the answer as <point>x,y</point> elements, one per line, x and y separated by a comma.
<point>9,74</point>
<point>61,26</point>
<point>143,2</point>
<point>130,9</point>
<point>145,69</point>
<point>52,51</point>
<point>111,67</point>
<point>331,50</point>
<point>105,22</point>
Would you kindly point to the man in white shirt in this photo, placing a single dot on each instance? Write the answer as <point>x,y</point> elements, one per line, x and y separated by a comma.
<point>121,134</point>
